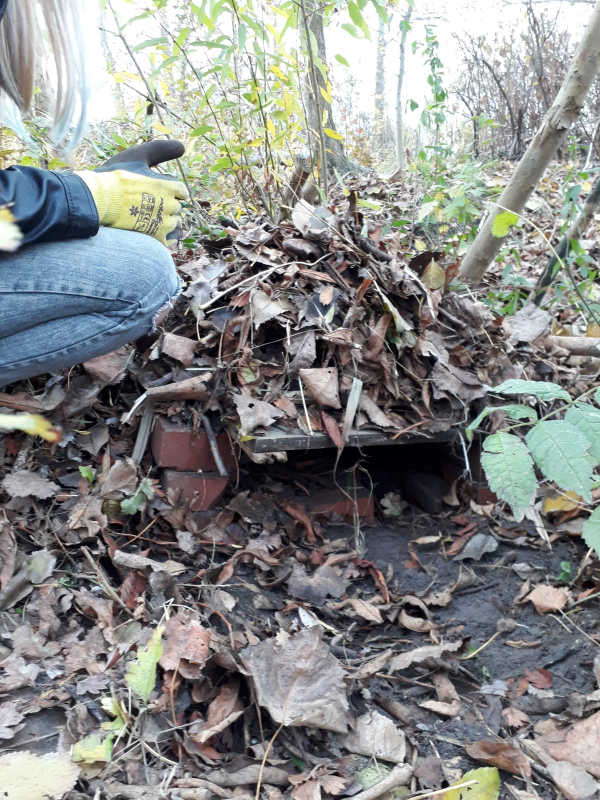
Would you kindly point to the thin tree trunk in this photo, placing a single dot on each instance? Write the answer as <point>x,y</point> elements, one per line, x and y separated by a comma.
<point>546,142</point>
<point>400,152</point>
<point>317,106</point>
<point>577,228</point>
<point>380,88</point>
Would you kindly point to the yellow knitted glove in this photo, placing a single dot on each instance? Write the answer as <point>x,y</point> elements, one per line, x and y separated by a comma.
<point>135,202</point>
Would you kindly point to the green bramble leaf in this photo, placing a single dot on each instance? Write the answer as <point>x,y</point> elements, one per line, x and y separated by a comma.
<point>503,223</point>
<point>540,389</point>
<point>131,505</point>
<point>344,62</point>
<point>586,418</point>
<point>509,471</point>
<point>590,533</point>
<point>141,674</point>
<point>513,411</point>
<point>561,452</point>
<point>86,472</point>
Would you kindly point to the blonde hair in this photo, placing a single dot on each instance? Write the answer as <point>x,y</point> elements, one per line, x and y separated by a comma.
<point>25,28</point>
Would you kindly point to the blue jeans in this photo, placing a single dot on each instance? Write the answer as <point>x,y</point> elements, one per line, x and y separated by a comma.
<point>62,303</point>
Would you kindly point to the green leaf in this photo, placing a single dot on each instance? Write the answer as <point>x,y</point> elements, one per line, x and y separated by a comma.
<point>540,389</point>
<point>342,60</point>
<point>150,43</point>
<point>561,453</point>
<point>503,223</point>
<point>166,63</point>
<point>509,470</point>
<point>513,411</point>
<point>590,533</point>
<point>86,472</point>
<point>141,674</point>
<point>358,19</point>
<point>586,418</point>
<point>351,30</point>
<point>93,749</point>
<point>487,787</point>
<point>383,15</point>
<point>131,505</point>
<point>201,131</point>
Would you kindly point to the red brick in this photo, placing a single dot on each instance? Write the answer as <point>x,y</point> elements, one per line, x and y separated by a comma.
<point>330,501</point>
<point>177,446</point>
<point>198,492</point>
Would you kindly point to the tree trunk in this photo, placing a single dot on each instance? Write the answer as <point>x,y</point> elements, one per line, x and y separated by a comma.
<point>319,112</point>
<point>400,152</point>
<point>577,228</point>
<point>546,142</point>
<point>380,89</point>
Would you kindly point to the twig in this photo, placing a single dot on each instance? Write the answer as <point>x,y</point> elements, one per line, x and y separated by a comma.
<point>104,582</point>
<point>214,447</point>
<point>399,776</point>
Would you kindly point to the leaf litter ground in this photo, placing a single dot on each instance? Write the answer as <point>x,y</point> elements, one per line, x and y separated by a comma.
<point>261,649</point>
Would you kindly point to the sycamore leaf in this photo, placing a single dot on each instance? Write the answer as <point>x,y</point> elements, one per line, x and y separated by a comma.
<point>93,749</point>
<point>503,223</point>
<point>33,424</point>
<point>590,532</point>
<point>561,453</point>
<point>586,419</point>
<point>486,788</point>
<point>509,470</point>
<point>512,410</point>
<point>540,389</point>
<point>141,674</point>
<point>333,134</point>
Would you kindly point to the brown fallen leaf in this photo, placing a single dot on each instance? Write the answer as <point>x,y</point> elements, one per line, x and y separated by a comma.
<point>515,718</point>
<point>422,654</point>
<point>333,430</point>
<point>109,368</point>
<point>540,678</point>
<point>180,348</point>
<point>573,781</point>
<point>186,646</point>
<point>417,624</point>
<point>299,681</point>
<point>502,755</point>
<point>547,599</point>
<point>366,610</point>
<point>323,386</point>
<point>254,413</point>
<point>8,550</point>
<point>301,516</point>
<point>323,582</point>
<point>222,711</point>
<point>376,736</point>
<point>29,484</point>
<point>10,720</point>
<point>576,743</point>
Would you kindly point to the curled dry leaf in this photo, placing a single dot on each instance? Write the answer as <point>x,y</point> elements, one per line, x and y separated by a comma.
<point>423,654</point>
<point>299,681</point>
<point>502,755</point>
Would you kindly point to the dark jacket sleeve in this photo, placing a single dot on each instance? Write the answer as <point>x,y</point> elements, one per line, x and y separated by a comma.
<point>48,205</point>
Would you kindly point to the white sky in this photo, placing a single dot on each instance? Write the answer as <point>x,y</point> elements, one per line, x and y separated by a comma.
<point>450,18</point>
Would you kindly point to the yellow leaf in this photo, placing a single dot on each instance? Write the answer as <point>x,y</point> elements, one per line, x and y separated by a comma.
<point>326,93</point>
<point>487,787</point>
<point>587,186</point>
<point>141,674</point>
<point>165,88</point>
<point>113,708</point>
<point>420,246</point>
<point>26,776</point>
<point>279,73</point>
<point>288,103</point>
<point>556,503</point>
<point>92,749</point>
<point>275,32</point>
<point>161,128</point>
<point>333,134</point>
<point>33,424</point>
<point>434,276</point>
<point>271,127</point>
<point>593,330</point>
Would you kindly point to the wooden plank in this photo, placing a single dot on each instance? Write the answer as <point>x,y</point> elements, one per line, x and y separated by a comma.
<point>279,439</point>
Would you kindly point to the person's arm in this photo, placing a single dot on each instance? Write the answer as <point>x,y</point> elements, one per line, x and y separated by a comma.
<point>47,205</point>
